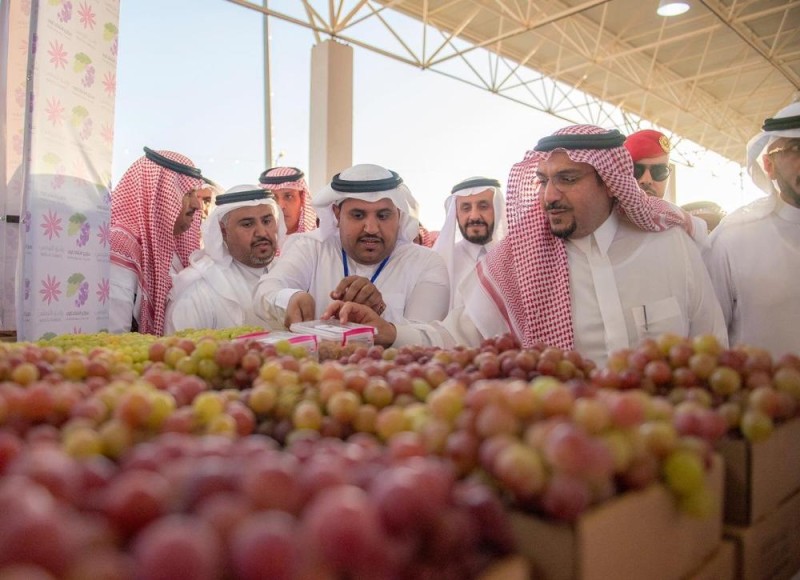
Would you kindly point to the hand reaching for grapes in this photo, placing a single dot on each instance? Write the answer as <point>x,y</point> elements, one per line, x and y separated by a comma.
<point>386,333</point>
<point>301,307</point>
<point>360,290</point>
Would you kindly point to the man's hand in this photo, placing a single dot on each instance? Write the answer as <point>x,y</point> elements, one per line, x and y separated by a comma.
<point>360,290</point>
<point>301,307</point>
<point>361,314</point>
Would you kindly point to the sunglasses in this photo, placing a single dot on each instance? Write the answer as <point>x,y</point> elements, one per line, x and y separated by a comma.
<point>658,171</point>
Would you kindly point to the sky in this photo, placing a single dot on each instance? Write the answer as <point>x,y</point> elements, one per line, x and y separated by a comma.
<point>190,79</point>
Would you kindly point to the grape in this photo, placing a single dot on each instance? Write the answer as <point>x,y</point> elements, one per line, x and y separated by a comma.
<point>86,129</point>
<point>84,234</point>
<point>684,472</point>
<point>178,546</point>
<point>65,14</point>
<point>566,497</point>
<point>265,545</point>
<point>83,294</point>
<point>88,76</point>
<point>345,528</point>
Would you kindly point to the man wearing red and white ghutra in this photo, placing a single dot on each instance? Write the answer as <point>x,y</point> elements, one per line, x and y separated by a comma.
<point>591,262</point>
<point>155,226</point>
<point>289,187</point>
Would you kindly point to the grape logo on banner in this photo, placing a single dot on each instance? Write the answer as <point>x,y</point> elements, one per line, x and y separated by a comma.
<point>83,65</point>
<point>80,226</point>
<point>77,284</point>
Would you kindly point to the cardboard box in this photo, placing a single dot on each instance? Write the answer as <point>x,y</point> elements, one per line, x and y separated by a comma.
<point>637,535</point>
<point>759,476</point>
<point>720,566</point>
<point>510,568</point>
<point>770,549</point>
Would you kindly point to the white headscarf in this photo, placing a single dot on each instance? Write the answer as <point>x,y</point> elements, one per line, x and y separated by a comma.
<point>759,145</point>
<point>451,234</point>
<point>756,148</point>
<point>395,190</point>
<point>215,250</point>
<point>214,246</point>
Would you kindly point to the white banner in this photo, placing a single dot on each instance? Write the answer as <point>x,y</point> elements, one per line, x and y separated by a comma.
<point>14,33</point>
<point>64,270</point>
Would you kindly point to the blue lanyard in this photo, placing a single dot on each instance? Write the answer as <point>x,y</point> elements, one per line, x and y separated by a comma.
<point>374,276</point>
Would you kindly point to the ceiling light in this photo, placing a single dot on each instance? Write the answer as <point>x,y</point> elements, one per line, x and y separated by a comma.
<point>672,7</point>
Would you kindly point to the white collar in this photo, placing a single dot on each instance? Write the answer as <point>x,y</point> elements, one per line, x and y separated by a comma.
<point>787,212</point>
<point>249,271</point>
<point>602,236</point>
<point>474,250</point>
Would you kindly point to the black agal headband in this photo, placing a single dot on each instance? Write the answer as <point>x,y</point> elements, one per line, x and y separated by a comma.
<point>175,166</point>
<point>276,179</point>
<point>475,182</point>
<point>249,195</point>
<point>346,186</point>
<point>781,123</point>
<point>608,140</point>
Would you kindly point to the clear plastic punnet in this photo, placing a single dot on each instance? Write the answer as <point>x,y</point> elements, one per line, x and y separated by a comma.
<point>307,341</point>
<point>336,339</point>
<point>343,334</point>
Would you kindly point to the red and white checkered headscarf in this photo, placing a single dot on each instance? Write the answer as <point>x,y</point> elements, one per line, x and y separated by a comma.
<point>527,273</point>
<point>144,206</point>
<point>426,237</point>
<point>308,217</point>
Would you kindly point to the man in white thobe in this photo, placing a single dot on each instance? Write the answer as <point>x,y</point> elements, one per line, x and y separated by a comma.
<point>755,251</point>
<point>241,239</point>
<point>361,252</point>
<point>475,220</point>
<point>590,262</point>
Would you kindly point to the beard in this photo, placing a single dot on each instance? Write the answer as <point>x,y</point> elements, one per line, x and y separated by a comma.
<point>790,193</point>
<point>564,233</point>
<point>479,239</point>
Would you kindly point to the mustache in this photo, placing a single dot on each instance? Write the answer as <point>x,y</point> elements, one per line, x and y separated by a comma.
<point>478,222</point>
<point>370,239</point>
<point>555,205</point>
<point>261,240</point>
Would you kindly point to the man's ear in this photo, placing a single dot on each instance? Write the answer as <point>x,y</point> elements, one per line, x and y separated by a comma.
<point>769,166</point>
<point>336,211</point>
<point>224,232</point>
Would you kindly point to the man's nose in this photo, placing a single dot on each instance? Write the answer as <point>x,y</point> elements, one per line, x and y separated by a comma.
<point>551,193</point>
<point>474,214</point>
<point>262,231</point>
<point>371,225</point>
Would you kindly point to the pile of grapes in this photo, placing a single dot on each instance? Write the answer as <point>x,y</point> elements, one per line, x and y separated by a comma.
<point>192,420</point>
<point>716,391</point>
<point>209,507</point>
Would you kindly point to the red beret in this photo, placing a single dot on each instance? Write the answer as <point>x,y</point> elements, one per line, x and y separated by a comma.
<point>647,143</point>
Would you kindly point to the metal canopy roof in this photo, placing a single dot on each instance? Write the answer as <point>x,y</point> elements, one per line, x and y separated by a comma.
<point>710,76</point>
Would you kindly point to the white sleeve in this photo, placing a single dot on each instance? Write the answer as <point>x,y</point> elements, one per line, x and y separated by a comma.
<point>292,273</point>
<point>192,309</point>
<point>457,329</point>
<point>705,314</point>
<point>719,268</point>
<point>430,298</point>
<point>122,299</point>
